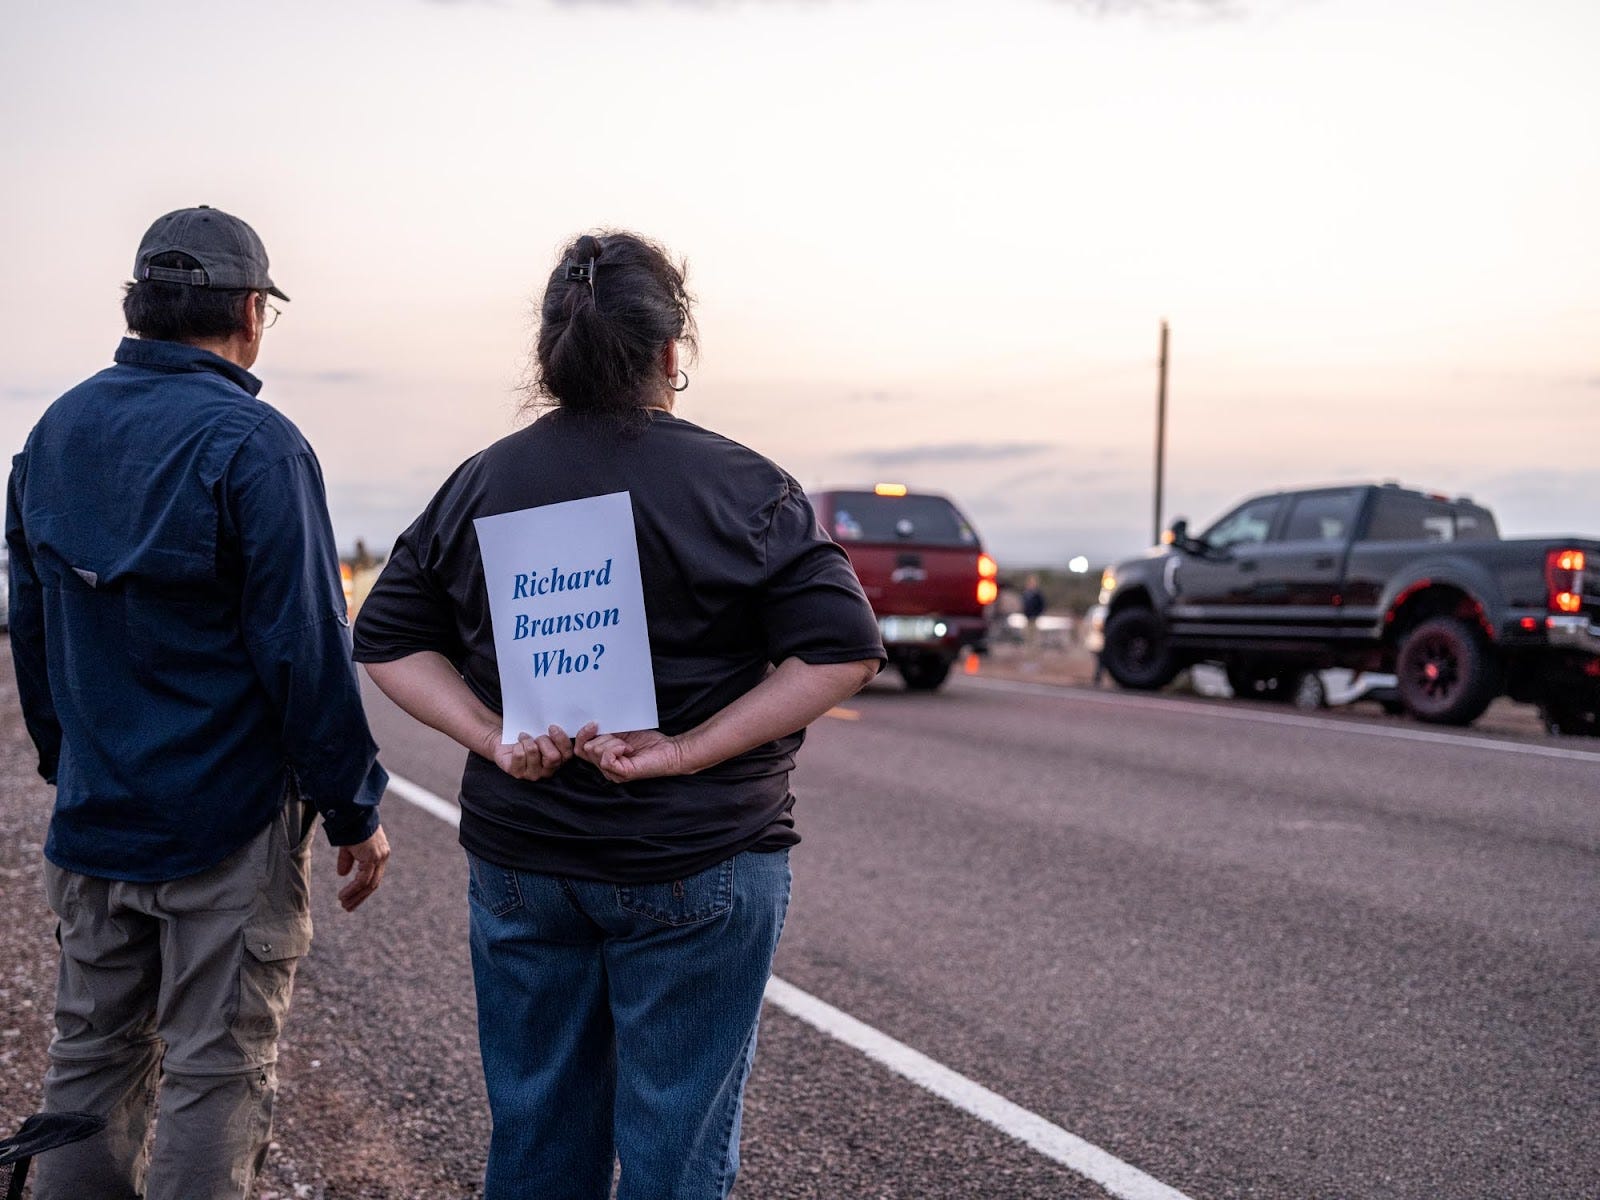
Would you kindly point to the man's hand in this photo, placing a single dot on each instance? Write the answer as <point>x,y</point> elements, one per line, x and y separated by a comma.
<point>368,858</point>
<point>626,757</point>
<point>529,757</point>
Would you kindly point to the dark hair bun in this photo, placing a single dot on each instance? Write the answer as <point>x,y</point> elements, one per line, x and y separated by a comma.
<point>601,337</point>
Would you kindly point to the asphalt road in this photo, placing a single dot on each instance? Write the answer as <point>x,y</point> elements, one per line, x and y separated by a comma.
<point>1250,953</point>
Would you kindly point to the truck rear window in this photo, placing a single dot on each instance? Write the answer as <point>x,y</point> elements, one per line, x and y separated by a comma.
<point>1398,517</point>
<point>923,520</point>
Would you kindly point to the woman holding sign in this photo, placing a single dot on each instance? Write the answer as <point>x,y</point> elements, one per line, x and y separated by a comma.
<point>664,596</point>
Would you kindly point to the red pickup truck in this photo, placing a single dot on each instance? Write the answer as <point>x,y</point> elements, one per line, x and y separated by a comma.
<point>924,570</point>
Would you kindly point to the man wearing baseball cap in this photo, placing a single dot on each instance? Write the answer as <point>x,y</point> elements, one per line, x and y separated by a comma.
<point>183,663</point>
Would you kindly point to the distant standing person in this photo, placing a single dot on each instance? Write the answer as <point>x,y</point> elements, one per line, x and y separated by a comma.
<point>1032,607</point>
<point>184,669</point>
<point>626,888</point>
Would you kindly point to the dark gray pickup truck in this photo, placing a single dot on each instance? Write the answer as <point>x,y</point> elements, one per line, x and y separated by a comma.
<point>1369,577</point>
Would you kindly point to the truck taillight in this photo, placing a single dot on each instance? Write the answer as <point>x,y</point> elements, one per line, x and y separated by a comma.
<point>1563,576</point>
<point>988,589</point>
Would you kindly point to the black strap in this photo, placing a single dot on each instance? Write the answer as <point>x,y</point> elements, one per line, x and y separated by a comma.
<point>41,1132</point>
<point>197,277</point>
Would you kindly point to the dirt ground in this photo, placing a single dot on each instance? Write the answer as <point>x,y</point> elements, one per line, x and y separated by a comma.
<point>1068,664</point>
<point>28,969</point>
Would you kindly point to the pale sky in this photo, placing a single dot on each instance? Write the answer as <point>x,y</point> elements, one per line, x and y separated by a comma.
<point>932,241</point>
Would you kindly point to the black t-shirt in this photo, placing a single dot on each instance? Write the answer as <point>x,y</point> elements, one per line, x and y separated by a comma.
<point>737,576</point>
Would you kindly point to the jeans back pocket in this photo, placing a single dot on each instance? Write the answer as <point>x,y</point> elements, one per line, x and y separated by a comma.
<point>681,901</point>
<point>493,888</point>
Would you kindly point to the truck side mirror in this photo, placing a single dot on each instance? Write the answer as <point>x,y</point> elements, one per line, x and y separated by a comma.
<point>1178,535</point>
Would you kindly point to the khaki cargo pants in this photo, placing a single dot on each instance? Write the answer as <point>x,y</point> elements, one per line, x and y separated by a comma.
<point>186,983</point>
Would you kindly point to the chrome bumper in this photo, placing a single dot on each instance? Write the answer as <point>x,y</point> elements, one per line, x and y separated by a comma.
<point>1095,640</point>
<point>931,631</point>
<point>1573,633</point>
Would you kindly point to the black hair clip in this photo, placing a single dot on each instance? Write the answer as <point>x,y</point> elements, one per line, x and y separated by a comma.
<point>583,275</point>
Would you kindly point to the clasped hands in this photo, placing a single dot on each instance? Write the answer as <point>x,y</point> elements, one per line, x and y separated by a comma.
<point>620,757</point>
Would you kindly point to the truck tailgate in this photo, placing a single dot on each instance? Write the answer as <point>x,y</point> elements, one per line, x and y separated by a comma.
<point>1525,566</point>
<point>920,581</point>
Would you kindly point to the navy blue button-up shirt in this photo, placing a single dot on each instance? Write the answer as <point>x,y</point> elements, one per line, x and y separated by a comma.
<point>177,621</point>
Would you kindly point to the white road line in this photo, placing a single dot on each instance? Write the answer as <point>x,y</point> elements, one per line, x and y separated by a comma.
<point>424,799</point>
<point>1122,1180</point>
<point>1224,713</point>
<point>1055,1143</point>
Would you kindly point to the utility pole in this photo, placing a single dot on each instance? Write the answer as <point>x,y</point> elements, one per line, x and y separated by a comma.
<point>1161,435</point>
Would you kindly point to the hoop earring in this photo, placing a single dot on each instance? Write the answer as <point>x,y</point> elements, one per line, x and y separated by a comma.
<point>675,385</point>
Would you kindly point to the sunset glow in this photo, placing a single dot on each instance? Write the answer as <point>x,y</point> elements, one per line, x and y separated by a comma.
<point>931,241</point>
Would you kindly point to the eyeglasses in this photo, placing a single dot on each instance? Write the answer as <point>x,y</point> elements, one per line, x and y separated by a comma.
<point>269,315</point>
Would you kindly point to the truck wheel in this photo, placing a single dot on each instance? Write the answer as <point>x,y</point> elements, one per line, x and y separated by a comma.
<point>1137,652</point>
<point>925,673</point>
<point>1445,672</point>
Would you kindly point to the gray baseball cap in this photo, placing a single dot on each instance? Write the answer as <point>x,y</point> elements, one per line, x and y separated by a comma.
<point>228,251</point>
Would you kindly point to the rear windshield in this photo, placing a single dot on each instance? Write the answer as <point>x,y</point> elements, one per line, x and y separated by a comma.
<point>1401,517</point>
<point>923,520</point>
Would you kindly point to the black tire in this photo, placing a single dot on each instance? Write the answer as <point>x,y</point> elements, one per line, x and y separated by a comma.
<point>1445,671</point>
<point>1138,653</point>
<point>925,673</point>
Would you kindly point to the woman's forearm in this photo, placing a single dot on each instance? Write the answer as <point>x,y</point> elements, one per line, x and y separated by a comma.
<point>429,688</point>
<point>790,698</point>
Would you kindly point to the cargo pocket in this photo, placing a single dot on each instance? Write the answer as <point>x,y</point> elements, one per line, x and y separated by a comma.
<point>272,950</point>
<point>63,891</point>
<point>681,901</point>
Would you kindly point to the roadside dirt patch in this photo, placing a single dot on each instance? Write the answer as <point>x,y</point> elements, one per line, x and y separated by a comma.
<point>28,966</point>
<point>1070,665</point>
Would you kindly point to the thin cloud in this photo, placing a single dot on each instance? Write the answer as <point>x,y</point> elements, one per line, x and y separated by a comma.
<point>1017,482</point>
<point>24,394</point>
<point>1543,489</point>
<point>1104,8</point>
<point>948,452</point>
<point>676,3</point>
<point>330,377</point>
<point>1176,8</point>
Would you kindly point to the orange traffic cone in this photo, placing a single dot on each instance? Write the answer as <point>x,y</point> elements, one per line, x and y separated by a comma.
<point>971,665</point>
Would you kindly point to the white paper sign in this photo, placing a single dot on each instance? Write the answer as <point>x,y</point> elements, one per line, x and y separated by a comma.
<point>567,604</point>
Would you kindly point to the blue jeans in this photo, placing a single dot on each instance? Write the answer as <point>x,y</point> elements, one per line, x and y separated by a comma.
<point>618,1022</point>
